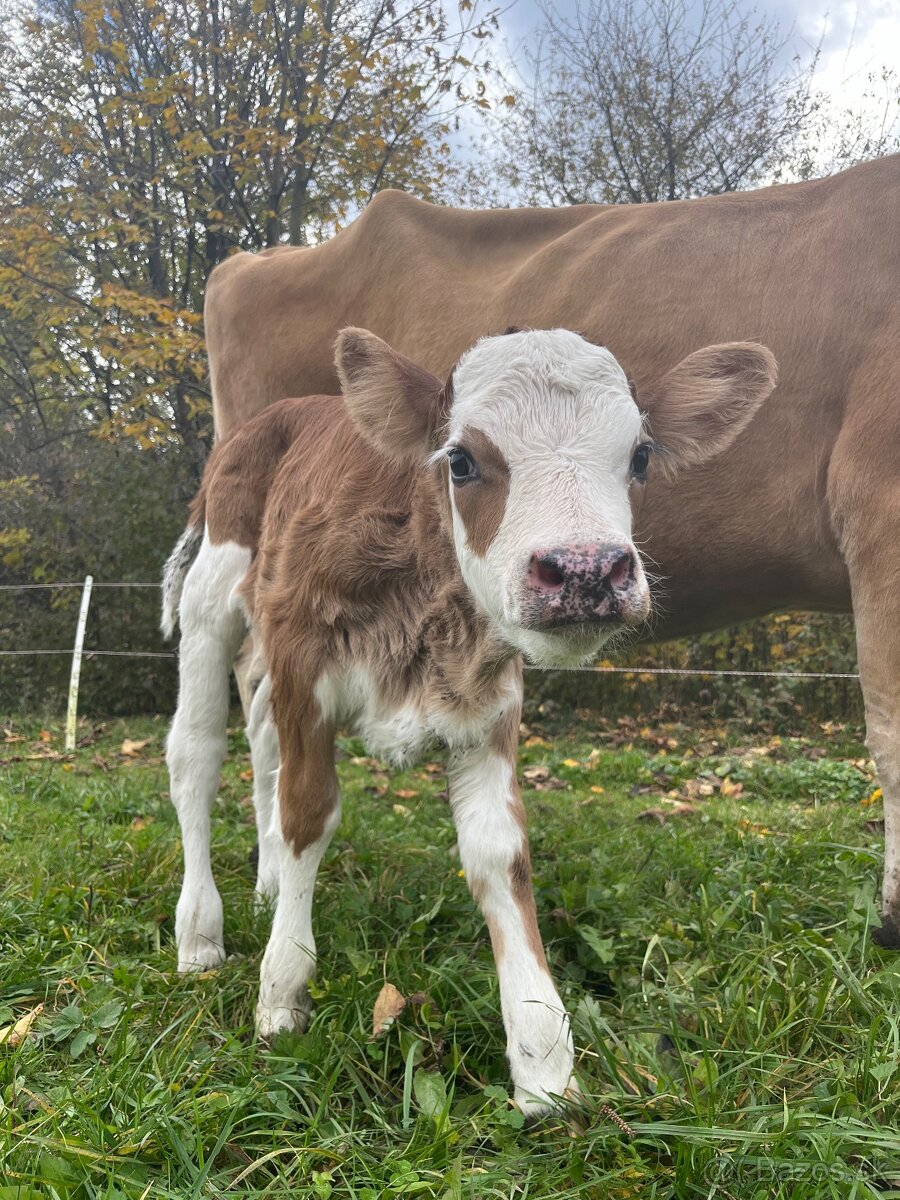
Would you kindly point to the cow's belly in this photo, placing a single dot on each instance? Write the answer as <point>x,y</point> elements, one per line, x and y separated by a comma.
<point>404,729</point>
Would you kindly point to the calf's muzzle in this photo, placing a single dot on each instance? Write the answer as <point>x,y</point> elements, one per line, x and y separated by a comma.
<point>585,584</point>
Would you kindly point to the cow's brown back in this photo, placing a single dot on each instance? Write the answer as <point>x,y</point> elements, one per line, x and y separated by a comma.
<point>809,269</point>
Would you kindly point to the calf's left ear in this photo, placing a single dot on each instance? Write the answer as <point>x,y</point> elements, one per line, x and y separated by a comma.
<point>394,404</point>
<point>699,408</point>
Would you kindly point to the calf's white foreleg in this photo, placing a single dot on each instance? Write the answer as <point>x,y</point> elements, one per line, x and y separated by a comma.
<point>308,813</point>
<point>493,848</point>
<point>212,624</point>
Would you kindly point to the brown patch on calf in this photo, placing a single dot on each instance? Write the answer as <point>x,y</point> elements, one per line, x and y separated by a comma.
<point>498,942</point>
<point>356,567</point>
<point>395,404</point>
<point>482,503</point>
<point>698,408</point>
<point>307,783</point>
<point>240,470</point>
<point>520,880</point>
<point>504,741</point>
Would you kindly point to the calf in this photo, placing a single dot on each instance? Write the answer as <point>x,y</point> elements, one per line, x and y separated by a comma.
<point>396,553</point>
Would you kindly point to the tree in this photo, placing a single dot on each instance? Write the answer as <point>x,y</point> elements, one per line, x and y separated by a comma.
<point>142,141</point>
<point>155,138</point>
<point>653,100</point>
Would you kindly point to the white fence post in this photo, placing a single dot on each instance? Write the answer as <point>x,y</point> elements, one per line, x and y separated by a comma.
<point>72,714</point>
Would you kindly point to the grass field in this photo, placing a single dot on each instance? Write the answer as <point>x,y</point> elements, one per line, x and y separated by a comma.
<point>738,1033</point>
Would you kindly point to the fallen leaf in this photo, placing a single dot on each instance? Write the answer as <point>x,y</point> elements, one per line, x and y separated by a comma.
<point>45,735</point>
<point>9,736</point>
<point>597,789</point>
<point>401,810</point>
<point>13,1035</point>
<point>535,740</point>
<point>661,815</point>
<point>538,774</point>
<point>727,788</point>
<point>142,822</point>
<point>871,799</point>
<point>571,762</point>
<point>550,785</point>
<point>130,748</point>
<point>406,793</point>
<point>246,776</point>
<point>389,1004</point>
<point>748,826</point>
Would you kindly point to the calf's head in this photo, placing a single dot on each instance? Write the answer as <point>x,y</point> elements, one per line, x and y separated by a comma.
<point>541,447</point>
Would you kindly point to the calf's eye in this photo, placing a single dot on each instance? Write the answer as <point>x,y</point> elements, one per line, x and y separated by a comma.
<point>462,468</point>
<point>640,461</point>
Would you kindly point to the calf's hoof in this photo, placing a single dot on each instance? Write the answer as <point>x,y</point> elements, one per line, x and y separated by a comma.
<point>202,955</point>
<point>274,1019</point>
<point>535,1107</point>
<point>542,1073</point>
<point>199,929</point>
<point>888,936</point>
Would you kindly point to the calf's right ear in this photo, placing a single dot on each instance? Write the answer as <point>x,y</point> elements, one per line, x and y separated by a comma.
<point>699,407</point>
<point>394,404</point>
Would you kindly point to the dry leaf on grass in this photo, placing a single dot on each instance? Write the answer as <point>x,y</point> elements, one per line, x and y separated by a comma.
<point>130,748</point>
<point>406,793</point>
<point>536,774</point>
<point>541,780</point>
<point>661,815</point>
<point>699,789</point>
<point>388,1006</point>
<point>13,1035</point>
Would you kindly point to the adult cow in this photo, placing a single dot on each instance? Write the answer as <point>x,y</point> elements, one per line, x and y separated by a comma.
<point>803,511</point>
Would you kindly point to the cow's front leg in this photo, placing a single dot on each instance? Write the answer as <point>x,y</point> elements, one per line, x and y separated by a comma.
<point>493,848</point>
<point>309,811</point>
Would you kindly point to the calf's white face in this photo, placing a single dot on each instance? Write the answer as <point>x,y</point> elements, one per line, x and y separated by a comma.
<point>544,444</point>
<point>541,439</point>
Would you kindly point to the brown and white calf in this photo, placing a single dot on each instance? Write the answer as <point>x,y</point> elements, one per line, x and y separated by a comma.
<point>397,552</point>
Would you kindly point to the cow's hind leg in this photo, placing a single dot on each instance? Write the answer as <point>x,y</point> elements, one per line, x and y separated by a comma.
<point>493,849</point>
<point>308,814</point>
<point>876,604</point>
<point>864,494</point>
<point>212,626</point>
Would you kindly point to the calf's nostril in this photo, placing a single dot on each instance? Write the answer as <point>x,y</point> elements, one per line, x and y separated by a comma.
<point>545,573</point>
<point>621,572</point>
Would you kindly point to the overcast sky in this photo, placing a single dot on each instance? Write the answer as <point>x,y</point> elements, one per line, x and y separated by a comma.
<point>857,38</point>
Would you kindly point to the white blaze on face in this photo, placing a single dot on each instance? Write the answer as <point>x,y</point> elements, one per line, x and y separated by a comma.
<point>560,412</point>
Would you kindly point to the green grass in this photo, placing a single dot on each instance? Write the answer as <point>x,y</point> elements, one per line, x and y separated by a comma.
<point>738,1033</point>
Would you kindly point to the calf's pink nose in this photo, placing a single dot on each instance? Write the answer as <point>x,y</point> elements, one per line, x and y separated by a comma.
<point>575,584</point>
<point>550,571</point>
